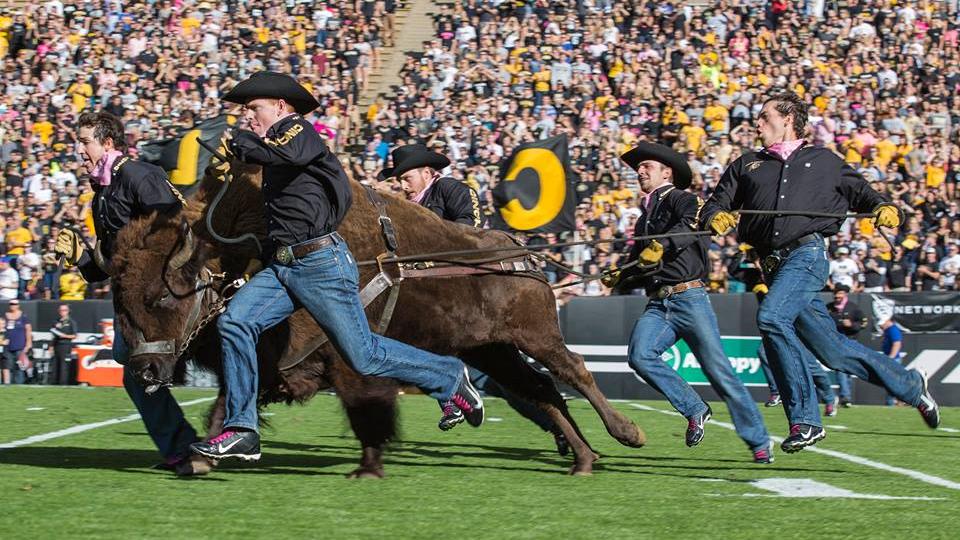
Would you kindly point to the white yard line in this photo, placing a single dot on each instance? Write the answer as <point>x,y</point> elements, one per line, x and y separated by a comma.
<point>916,475</point>
<point>87,427</point>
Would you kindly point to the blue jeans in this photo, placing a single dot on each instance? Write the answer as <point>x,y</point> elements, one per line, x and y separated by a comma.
<point>820,378</point>
<point>161,414</point>
<point>845,355</point>
<point>792,317</point>
<point>846,387</point>
<point>326,283</point>
<point>688,315</point>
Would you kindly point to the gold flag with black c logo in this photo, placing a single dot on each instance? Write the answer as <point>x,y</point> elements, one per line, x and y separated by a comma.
<point>182,157</point>
<point>536,191</point>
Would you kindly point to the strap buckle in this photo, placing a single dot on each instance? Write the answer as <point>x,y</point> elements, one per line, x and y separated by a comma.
<point>389,235</point>
<point>284,255</point>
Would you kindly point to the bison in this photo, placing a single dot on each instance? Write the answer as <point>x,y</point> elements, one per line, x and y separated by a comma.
<point>168,269</point>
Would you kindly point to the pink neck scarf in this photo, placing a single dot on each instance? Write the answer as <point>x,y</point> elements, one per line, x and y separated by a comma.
<point>101,172</point>
<point>785,148</point>
<point>420,196</point>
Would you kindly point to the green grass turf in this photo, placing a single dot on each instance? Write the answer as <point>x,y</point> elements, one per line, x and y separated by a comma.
<point>501,481</point>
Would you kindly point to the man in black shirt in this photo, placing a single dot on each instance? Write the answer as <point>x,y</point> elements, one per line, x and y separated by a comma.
<point>125,189</point>
<point>927,276</point>
<point>306,195</point>
<point>789,174</point>
<point>874,271</point>
<point>64,332</point>
<point>418,170</point>
<point>849,319</point>
<point>898,275</point>
<point>679,306</point>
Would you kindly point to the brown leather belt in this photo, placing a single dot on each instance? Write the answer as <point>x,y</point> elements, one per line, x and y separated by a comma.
<point>668,290</point>
<point>288,254</point>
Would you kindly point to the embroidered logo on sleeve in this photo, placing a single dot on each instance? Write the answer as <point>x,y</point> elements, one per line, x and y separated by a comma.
<point>286,137</point>
<point>753,165</point>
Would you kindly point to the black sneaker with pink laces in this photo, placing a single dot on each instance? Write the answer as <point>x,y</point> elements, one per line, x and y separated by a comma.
<point>802,436</point>
<point>764,456</point>
<point>451,416</point>
<point>467,399</point>
<point>230,444</point>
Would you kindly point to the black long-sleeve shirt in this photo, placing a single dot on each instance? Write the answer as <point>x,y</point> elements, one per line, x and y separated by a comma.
<point>851,312</point>
<point>306,192</point>
<point>684,257</point>
<point>812,178</point>
<point>453,201</point>
<point>136,189</point>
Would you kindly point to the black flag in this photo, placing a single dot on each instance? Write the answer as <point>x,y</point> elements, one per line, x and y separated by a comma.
<point>536,192</point>
<point>182,157</point>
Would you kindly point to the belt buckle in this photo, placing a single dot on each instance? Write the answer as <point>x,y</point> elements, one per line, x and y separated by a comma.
<point>771,263</point>
<point>284,255</point>
<point>663,292</point>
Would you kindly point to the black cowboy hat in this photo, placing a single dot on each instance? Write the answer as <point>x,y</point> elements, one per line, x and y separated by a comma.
<point>268,84</point>
<point>386,173</point>
<point>413,156</point>
<point>682,175</point>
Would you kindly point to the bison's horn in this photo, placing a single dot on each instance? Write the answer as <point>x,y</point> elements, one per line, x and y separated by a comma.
<point>181,257</point>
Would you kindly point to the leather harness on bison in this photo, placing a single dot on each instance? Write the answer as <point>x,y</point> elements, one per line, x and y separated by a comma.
<point>169,271</point>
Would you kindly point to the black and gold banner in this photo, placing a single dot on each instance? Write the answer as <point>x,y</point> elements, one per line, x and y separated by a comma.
<point>182,157</point>
<point>536,192</point>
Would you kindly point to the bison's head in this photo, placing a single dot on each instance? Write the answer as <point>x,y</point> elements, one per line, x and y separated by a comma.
<point>157,269</point>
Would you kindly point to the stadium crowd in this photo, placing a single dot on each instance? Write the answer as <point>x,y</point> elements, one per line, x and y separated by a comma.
<point>881,78</point>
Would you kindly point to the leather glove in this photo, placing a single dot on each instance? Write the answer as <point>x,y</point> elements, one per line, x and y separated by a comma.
<point>218,168</point>
<point>723,222</point>
<point>652,253</point>
<point>744,247</point>
<point>611,277</point>
<point>886,215</point>
<point>760,288</point>
<point>69,246</point>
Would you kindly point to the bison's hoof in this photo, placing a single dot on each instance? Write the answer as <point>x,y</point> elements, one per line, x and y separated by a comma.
<point>366,473</point>
<point>634,437</point>
<point>582,470</point>
<point>195,466</point>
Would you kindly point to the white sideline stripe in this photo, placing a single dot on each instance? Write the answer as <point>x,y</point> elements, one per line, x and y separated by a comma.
<point>916,475</point>
<point>949,429</point>
<point>87,427</point>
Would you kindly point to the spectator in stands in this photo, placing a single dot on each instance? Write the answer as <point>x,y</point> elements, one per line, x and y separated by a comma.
<point>9,280</point>
<point>72,285</point>
<point>18,341</point>
<point>950,267</point>
<point>874,271</point>
<point>927,276</point>
<point>843,271</point>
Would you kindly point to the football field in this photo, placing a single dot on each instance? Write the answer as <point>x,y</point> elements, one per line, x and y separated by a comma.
<point>75,462</point>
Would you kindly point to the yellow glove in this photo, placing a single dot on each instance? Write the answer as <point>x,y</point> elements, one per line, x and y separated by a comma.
<point>218,168</point>
<point>744,247</point>
<point>886,215</point>
<point>723,222</point>
<point>69,246</point>
<point>611,276</point>
<point>652,253</point>
<point>761,288</point>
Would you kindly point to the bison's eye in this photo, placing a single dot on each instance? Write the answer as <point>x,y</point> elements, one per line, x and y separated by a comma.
<point>161,302</point>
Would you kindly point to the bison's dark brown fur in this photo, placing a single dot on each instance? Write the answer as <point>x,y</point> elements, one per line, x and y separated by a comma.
<point>484,320</point>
